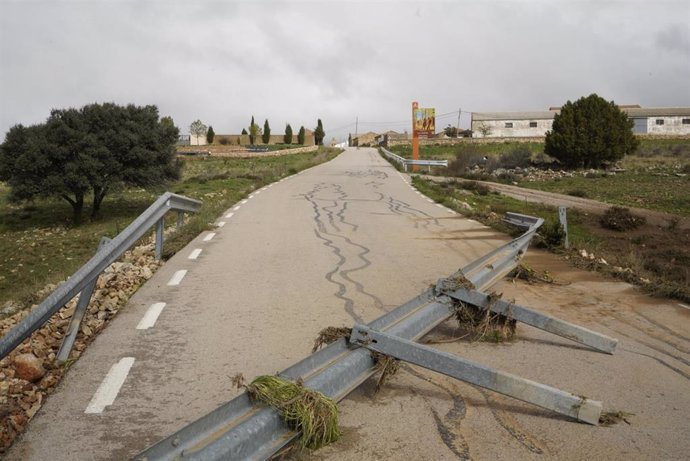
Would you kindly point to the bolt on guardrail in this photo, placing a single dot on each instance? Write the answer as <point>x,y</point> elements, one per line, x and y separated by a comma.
<point>84,280</point>
<point>241,430</point>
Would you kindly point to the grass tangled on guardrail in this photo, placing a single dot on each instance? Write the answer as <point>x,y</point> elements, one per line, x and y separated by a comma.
<point>304,410</point>
<point>524,272</point>
<point>330,335</point>
<point>483,324</point>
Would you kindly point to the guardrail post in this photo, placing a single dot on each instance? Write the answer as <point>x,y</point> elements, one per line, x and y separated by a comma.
<point>564,223</point>
<point>160,225</point>
<point>180,219</point>
<point>78,315</point>
<point>565,403</point>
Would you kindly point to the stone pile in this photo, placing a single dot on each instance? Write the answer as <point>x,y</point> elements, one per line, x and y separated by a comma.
<point>30,372</point>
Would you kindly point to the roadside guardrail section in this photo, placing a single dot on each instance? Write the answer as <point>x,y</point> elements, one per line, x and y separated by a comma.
<point>406,161</point>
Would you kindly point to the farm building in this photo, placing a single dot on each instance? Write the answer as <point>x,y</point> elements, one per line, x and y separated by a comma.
<point>661,120</point>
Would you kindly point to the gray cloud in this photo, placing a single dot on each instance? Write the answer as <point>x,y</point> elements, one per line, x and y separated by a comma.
<point>295,62</point>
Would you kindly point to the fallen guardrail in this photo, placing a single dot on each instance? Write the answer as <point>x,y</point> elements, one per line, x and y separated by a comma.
<point>84,280</point>
<point>406,161</point>
<point>240,429</point>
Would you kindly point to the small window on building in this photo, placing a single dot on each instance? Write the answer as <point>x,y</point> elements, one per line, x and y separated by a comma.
<point>686,121</point>
<point>532,124</point>
<point>660,121</point>
<point>509,124</point>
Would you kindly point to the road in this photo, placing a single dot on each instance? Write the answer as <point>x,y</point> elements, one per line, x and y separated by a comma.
<point>344,242</point>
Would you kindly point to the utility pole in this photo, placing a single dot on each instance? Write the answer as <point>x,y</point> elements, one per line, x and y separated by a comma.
<point>459,112</point>
<point>356,126</point>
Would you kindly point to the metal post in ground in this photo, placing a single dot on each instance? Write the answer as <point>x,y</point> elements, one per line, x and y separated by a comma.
<point>78,315</point>
<point>180,219</point>
<point>564,223</point>
<point>160,225</point>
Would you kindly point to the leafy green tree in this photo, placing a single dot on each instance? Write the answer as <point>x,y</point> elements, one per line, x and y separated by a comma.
<point>210,134</point>
<point>254,132</point>
<point>266,136</point>
<point>288,134</point>
<point>198,129</point>
<point>319,134</point>
<point>451,131</point>
<point>300,135</point>
<point>97,148</point>
<point>590,131</point>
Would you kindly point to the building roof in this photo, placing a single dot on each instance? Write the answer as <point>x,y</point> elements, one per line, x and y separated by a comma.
<point>486,116</point>
<point>632,111</point>
<point>658,112</point>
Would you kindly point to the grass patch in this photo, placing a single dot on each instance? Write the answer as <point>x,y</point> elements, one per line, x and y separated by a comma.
<point>39,245</point>
<point>620,219</point>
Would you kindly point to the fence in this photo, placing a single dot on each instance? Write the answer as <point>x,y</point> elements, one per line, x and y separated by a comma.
<point>406,161</point>
<point>84,280</point>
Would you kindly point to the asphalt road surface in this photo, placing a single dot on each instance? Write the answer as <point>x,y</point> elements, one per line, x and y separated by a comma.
<point>343,242</point>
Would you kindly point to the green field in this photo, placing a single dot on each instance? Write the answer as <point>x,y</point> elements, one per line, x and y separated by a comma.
<point>39,245</point>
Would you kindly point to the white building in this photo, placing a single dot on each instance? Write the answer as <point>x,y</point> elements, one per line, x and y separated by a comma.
<point>662,120</point>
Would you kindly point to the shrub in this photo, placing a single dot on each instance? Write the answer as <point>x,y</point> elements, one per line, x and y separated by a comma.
<point>620,219</point>
<point>223,140</point>
<point>577,193</point>
<point>518,157</point>
<point>465,159</point>
<point>477,188</point>
<point>552,233</point>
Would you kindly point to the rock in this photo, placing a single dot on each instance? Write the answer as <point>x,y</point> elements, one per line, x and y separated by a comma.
<point>28,367</point>
<point>10,308</point>
<point>146,273</point>
<point>583,253</point>
<point>602,261</point>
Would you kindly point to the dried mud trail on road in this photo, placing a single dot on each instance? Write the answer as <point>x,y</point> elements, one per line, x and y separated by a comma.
<point>345,242</point>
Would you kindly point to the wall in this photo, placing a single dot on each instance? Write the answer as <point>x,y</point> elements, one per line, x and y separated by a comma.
<point>520,128</point>
<point>197,140</point>
<point>672,125</point>
<point>274,139</point>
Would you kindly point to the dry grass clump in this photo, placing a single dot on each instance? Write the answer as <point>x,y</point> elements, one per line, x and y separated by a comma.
<point>483,324</point>
<point>303,410</point>
<point>610,418</point>
<point>330,335</point>
<point>387,365</point>
<point>524,272</point>
<point>620,219</point>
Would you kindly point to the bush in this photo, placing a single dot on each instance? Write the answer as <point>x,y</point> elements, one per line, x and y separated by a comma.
<point>477,188</point>
<point>590,131</point>
<point>223,140</point>
<point>518,157</point>
<point>552,233</point>
<point>577,193</point>
<point>620,219</point>
<point>465,159</point>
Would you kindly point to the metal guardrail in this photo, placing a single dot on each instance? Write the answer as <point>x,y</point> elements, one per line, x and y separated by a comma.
<point>84,279</point>
<point>241,430</point>
<point>406,161</point>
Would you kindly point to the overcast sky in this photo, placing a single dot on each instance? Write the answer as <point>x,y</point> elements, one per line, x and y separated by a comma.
<point>289,61</point>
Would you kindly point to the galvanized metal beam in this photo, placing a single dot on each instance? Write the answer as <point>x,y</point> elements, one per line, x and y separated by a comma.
<point>536,319</point>
<point>580,408</point>
<point>93,267</point>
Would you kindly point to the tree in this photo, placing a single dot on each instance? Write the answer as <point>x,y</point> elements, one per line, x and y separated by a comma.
<point>244,131</point>
<point>349,140</point>
<point>254,131</point>
<point>288,134</point>
<point>210,134</point>
<point>198,129</point>
<point>590,131</point>
<point>319,134</point>
<point>451,131</point>
<point>97,148</point>
<point>301,135</point>
<point>484,129</point>
<point>266,136</point>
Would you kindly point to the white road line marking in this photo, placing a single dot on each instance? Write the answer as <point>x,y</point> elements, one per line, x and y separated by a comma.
<point>220,223</point>
<point>250,196</point>
<point>439,205</point>
<point>429,200</point>
<point>243,202</point>
<point>450,211</point>
<point>194,254</point>
<point>177,278</point>
<point>149,319</point>
<point>229,215</point>
<point>237,208</point>
<point>683,305</point>
<point>209,236</point>
<point>107,392</point>
<point>472,220</point>
<point>258,192</point>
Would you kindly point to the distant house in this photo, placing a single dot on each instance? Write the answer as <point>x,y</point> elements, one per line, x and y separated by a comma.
<point>390,138</point>
<point>365,140</point>
<point>662,120</point>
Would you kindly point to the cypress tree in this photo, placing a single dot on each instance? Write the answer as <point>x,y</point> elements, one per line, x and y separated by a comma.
<point>288,134</point>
